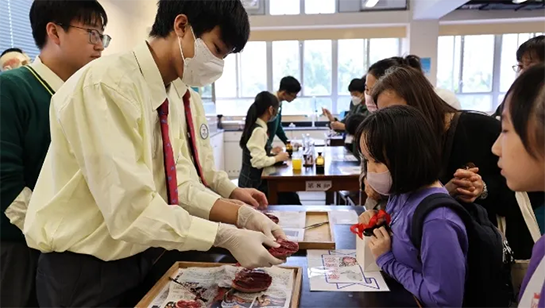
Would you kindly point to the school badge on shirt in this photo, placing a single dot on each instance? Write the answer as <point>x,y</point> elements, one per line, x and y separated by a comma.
<point>204,131</point>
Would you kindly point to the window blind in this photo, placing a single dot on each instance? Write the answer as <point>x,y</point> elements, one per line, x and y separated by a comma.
<point>15,25</point>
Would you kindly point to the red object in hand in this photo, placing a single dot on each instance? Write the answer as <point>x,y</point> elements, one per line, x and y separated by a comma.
<point>286,249</point>
<point>272,217</point>
<point>375,221</point>
<point>188,304</point>
<point>251,281</point>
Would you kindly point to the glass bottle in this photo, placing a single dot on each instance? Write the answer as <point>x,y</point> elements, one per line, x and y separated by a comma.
<point>320,164</point>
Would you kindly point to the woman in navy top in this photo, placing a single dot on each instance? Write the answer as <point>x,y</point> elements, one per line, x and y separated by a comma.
<point>403,162</point>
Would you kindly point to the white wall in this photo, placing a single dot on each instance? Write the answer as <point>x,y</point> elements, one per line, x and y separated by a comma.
<point>126,24</point>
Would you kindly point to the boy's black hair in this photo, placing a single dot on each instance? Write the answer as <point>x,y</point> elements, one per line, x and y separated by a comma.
<point>533,48</point>
<point>290,85</point>
<point>63,13</point>
<point>261,104</point>
<point>357,85</point>
<point>19,50</point>
<point>380,68</point>
<point>204,16</point>
<point>401,138</point>
<point>353,122</point>
<point>527,105</point>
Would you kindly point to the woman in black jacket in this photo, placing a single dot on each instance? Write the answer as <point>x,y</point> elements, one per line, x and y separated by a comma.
<point>470,171</point>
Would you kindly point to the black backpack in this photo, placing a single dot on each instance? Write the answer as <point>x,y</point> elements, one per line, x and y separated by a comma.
<point>488,278</point>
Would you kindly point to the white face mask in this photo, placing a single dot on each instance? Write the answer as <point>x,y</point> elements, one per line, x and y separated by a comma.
<point>356,100</point>
<point>204,68</point>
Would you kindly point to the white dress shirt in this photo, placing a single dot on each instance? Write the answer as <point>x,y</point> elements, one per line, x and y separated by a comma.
<point>218,181</point>
<point>256,145</point>
<point>102,189</point>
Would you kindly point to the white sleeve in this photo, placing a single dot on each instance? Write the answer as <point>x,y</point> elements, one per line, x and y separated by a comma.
<point>256,145</point>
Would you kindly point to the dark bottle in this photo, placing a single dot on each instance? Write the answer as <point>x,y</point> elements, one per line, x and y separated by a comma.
<point>289,148</point>
<point>320,164</point>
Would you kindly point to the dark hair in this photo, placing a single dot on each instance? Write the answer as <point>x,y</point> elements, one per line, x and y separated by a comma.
<point>63,12</point>
<point>417,91</point>
<point>379,68</point>
<point>401,138</point>
<point>204,16</point>
<point>290,85</point>
<point>19,50</point>
<point>261,104</point>
<point>533,48</point>
<point>526,103</point>
<point>357,85</point>
<point>353,122</point>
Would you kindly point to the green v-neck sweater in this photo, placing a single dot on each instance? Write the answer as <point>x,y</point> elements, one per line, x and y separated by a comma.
<point>24,139</point>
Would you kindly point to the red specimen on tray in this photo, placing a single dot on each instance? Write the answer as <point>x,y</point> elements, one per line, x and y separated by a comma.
<point>251,281</point>
<point>188,304</point>
<point>286,249</point>
<point>272,217</point>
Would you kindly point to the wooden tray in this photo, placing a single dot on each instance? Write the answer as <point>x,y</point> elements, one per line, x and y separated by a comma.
<point>322,237</point>
<point>154,292</point>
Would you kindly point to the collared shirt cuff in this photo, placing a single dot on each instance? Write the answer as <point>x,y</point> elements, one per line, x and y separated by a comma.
<point>200,235</point>
<point>226,188</point>
<point>207,199</point>
<point>385,258</point>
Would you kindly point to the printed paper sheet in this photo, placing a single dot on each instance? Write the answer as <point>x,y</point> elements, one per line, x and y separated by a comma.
<point>295,235</point>
<point>209,286</point>
<point>338,270</point>
<point>344,217</point>
<point>288,219</point>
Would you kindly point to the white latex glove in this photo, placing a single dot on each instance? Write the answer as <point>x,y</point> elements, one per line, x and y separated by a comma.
<point>251,219</point>
<point>246,246</point>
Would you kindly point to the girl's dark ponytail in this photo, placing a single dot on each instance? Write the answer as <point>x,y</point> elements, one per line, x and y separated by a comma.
<point>261,104</point>
<point>251,117</point>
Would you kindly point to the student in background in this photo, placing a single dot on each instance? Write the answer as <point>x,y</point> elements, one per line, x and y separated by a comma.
<point>403,157</point>
<point>289,88</point>
<point>255,149</point>
<point>377,70</point>
<point>353,121</point>
<point>12,58</point>
<point>357,106</point>
<point>469,169</point>
<point>69,35</point>
<point>114,191</point>
<point>530,53</point>
<point>521,152</point>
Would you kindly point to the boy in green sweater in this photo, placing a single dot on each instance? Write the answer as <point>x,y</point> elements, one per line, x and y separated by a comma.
<point>69,35</point>
<point>289,88</point>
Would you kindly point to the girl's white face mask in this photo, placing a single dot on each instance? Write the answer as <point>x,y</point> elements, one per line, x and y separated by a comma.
<point>204,68</point>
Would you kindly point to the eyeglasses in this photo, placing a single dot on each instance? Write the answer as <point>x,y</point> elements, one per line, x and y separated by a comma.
<point>95,37</point>
<point>517,68</point>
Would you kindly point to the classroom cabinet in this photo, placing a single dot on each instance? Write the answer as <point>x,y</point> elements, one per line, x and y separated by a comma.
<point>216,141</point>
<point>232,153</point>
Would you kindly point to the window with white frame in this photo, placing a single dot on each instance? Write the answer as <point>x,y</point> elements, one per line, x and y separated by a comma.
<point>381,48</point>
<point>286,61</point>
<point>15,25</point>
<point>478,68</point>
<point>320,7</point>
<point>244,76</point>
<point>324,68</point>
<point>285,7</point>
<point>352,63</point>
